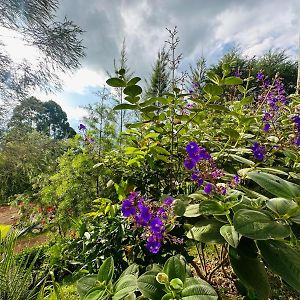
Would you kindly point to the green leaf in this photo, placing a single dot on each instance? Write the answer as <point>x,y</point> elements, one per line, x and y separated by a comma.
<point>106,270</point>
<point>124,287</point>
<point>283,260</point>
<point>213,89</point>
<point>275,185</point>
<point>133,90</point>
<point>85,284</point>
<point>151,135</point>
<point>149,108</point>
<point>259,225</point>
<point>215,78</point>
<point>242,159</point>
<point>231,236</point>
<point>217,107</point>
<point>206,231</point>
<point>132,99</point>
<point>232,133</point>
<point>225,69</point>
<point>95,295</point>
<point>250,270</point>
<point>198,289</point>
<point>132,269</point>
<point>116,82</point>
<point>149,286</point>
<point>232,80</point>
<point>281,206</point>
<point>133,81</point>
<point>192,211</point>
<point>246,100</point>
<point>175,268</point>
<point>125,106</point>
<point>211,207</point>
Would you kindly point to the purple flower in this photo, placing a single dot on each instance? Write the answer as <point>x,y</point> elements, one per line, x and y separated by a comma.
<point>260,76</point>
<point>297,140</point>
<point>208,188</point>
<point>168,201</point>
<point>156,225</point>
<point>200,181</point>
<point>237,179</point>
<point>296,120</point>
<point>82,126</point>
<point>144,216</point>
<point>259,151</point>
<point>153,245</point>
<point>237,73</point>
<point>266,127</point>
<point>127,208</point>
<point>189,164</point>
<point>192,148</point>
<point>217,173</point>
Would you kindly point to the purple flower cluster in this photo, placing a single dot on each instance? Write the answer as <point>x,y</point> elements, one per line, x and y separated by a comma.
<point>82,128</point>
<point>272,100</point>
<point>205,170</point>
<point>151,217</point>
<point>259,151</point>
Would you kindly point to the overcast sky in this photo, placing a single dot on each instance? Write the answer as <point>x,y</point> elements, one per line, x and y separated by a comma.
<point>208,28</point>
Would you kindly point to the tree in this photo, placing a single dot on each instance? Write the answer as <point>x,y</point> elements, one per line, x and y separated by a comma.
<point>46,117</point>
<point>160,77</point>
<point>271,63</point>
<point>58,43</point>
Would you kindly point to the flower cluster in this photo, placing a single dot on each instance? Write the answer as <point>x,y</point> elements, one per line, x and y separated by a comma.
<point>259,151</point>
<point>82,128</point>
<point>296,121</point>
<point>272,100</point>
<point>205,170</point>
<point>151,217</point>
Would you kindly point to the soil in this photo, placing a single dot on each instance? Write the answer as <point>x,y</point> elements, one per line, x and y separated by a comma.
<point>10,216</point>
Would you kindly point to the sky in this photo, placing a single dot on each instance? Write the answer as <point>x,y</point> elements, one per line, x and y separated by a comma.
<point>205,28</point>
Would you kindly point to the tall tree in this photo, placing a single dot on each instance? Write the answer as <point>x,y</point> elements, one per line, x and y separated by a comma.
<point>160,78</point>
<point>46,117</point>
<point>58,44</point>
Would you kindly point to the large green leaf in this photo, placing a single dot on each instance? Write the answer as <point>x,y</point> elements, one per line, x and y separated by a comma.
<point>213,89</point>
<point>125,106</point>
<point>132,269</point>
<point>149,286</point>
<point>198,289</point>
<point>133,90</point>
<point>281,206</point>
<point>116,82</point>
<point>85,284</point>
<point>283,260</point>
<point>206,231</point>
<point>275,185</point>
<point>125,286</point>
<point>106,270</point>
<point>95,295</point>
<point>259,225</point>
<point>133,80</point>
<point>211,207</point>
<point>249,269</point>
<point>175,268</point>
<point>231,236</point>
<point>232,80</point>
<point>192,211</point>
<point>242,159</point>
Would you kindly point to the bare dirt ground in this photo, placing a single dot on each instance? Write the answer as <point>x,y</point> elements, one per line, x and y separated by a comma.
<point>10,216</point>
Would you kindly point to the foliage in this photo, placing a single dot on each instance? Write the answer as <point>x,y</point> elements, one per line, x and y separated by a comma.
<point>171,282</point>
<point>16,281</point>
